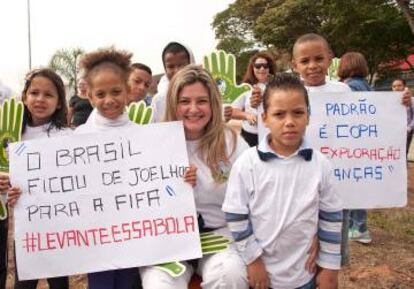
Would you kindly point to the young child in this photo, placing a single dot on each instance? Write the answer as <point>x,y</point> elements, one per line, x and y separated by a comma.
<point>139,81</point>
<point>45,115</point>
<point>312,57</point>
<point>353,70</point>
<point>272,210</point>
<point>400,85</point>
<point>261,67</point>
<point>193,98</point>
<point>106,72</point>
<point>174,57</point>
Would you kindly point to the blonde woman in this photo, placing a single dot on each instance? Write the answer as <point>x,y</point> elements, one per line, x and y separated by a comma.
<point>212,148</point>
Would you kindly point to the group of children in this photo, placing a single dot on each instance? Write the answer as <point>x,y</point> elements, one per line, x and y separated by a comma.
<point>286,228</point>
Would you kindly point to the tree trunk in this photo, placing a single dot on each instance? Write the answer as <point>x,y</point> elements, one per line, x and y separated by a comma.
<point>405,8</point>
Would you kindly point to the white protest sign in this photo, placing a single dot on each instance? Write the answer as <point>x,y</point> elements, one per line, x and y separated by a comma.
<point>95,202</point>
<point>364,134</point>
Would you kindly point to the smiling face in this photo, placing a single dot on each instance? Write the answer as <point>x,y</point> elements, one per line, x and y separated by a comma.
<point>41,99</point>
<point>311,59</point>
<point>286,117</point>
<point>108,93</point>
<point>194,109</point>
<point>139,82</point>
<point>261,70</point>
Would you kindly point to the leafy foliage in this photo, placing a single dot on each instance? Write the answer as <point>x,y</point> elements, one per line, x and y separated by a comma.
<point>407,8</point>
<point>376,28</point>
<point>65,62</point>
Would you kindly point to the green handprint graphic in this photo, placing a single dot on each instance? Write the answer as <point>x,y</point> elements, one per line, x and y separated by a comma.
<point>139,113</point>
<point>333,69</point>
<point>211,243</point>
<point>222,67</point>
<point>174,269</point>
<point>11,119</point>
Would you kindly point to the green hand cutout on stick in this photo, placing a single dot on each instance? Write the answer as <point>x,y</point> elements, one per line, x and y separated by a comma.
<point>333,69</point>
<point>210,243</point>
<point>139,113</point>
<point>3,210</point>
<point>222,67</point>
<point>11,120</point>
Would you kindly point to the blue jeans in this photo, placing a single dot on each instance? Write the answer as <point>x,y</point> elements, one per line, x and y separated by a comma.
<point>344,238</point>
<point>358,219</point>
<point>310,285</point>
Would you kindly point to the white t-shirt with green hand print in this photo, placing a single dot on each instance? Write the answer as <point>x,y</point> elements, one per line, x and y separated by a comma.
<point>208,194</point>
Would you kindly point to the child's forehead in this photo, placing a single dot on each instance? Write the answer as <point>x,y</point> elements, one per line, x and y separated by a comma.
<point>172,56</point>
<point>104,73</point>
<point>40,80</point>
<point>139,72</point>
<point>287,97</point>
<point>310,46</point>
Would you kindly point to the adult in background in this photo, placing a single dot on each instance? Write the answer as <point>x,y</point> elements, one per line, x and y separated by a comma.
<point>79,106</point>
<point>400,85</point>
<point>193,98</point>
<point>352,70</point>
<point>261,67</point>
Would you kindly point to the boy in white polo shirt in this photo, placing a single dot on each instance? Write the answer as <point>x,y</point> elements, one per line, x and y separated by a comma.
<point>280,195</point>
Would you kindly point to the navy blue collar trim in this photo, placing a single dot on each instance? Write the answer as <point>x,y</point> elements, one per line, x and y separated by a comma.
<point>266,156</point>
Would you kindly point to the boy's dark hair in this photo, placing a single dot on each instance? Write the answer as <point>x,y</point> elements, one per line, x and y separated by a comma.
<point>310,37</point>
<point>249,75</point>
<point>117,60</point>
<point>141,66</point>
<point>284,81</point>
<point>352,64</point>
<point>174,47</point>
<point>58,118</point>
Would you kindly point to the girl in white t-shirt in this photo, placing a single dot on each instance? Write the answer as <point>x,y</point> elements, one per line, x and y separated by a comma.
<point>45,112</point>
<point>106,72</point>
<point>193,98</point>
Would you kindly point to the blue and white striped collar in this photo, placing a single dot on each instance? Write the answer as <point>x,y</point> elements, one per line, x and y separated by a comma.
<point>266,153</point>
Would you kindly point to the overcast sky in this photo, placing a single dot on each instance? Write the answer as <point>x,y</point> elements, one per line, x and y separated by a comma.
<point>143,27</point>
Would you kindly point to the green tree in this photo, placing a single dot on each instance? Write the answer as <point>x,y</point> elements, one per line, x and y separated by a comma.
<point>65,62</point>
<point>233,31</point>
<point>380,31</point>
<point>235,37</point>
<point>376,28</point>
<point>407,8</point>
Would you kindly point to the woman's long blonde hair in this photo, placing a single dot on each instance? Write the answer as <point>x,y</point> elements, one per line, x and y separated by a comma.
<point>212,145</point>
